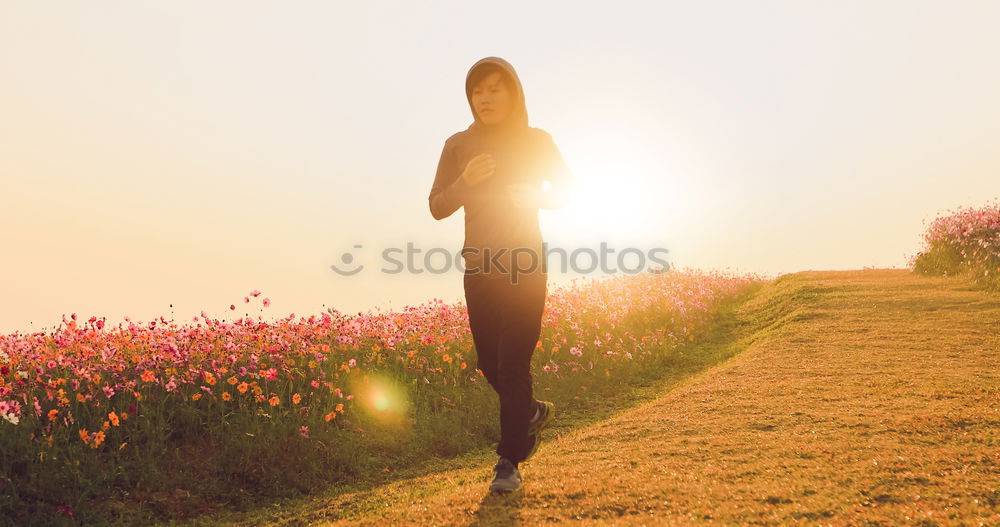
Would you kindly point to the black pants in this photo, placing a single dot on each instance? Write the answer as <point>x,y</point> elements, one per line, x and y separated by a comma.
<point>506,321</point>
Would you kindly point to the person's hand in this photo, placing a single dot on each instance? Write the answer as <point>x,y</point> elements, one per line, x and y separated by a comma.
<point>478,169</point>
<point>524,195</point>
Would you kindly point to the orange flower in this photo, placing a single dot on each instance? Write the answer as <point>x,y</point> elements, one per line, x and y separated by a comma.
<point>226,396</point>
<point>329,416</point>
<point>340,407</point>
<point>274,400</point>
<point>232,380</point>
<point>296,398</point>
<point>446,357</point>
<point>463,364</point>
<point>210,379</point>
<point>243,387</point>
<point>52,414</point>
<point>148,376</point>
<point>114,418</point>
<point>85,436</point>
<point>98,439</point>
<point>196,396</point>
<point>124,416</point>
<point>80,398</point>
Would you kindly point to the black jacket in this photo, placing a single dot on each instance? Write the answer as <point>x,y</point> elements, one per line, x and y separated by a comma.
<point>494,227</point>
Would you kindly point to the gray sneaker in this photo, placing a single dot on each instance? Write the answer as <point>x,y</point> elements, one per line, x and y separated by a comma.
<point>546,413</point>
<point>507,477</point>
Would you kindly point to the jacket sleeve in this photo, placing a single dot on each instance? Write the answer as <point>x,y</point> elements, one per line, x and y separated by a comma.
<point>558,174</point>
<point>449,190</point>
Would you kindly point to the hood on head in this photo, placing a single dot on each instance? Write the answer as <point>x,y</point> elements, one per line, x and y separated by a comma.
<point>518,113</point>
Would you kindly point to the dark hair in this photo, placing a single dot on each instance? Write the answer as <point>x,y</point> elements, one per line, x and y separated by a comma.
<point>486,70</point>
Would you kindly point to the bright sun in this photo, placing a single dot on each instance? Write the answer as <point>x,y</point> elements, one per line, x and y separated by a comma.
<point>613,200</point>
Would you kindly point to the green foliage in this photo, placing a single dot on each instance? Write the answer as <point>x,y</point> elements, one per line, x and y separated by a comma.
<point>965,242</point>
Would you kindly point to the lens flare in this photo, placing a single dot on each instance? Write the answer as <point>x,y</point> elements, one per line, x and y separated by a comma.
<point>383,400</point>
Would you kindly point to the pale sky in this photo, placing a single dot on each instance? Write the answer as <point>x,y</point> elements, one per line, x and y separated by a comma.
<point>186,153</point>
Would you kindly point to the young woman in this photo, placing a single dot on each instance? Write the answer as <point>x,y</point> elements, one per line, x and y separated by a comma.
<point>495,170</point>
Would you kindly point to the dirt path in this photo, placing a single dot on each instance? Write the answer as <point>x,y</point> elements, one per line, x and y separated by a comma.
<point>862,398</point>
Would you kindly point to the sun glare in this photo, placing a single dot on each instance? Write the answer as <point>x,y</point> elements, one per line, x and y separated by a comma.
<point>612,199</point>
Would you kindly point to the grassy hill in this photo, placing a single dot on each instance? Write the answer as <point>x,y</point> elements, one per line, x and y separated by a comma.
<point>836,397</point>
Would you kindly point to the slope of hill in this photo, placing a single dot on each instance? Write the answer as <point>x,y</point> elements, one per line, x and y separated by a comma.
<point>848,397</point>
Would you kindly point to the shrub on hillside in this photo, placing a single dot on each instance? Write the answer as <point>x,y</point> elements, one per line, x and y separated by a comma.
<point>965,241</point>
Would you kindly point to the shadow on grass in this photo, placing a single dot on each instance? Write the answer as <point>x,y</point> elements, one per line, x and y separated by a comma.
<point>498,509</point>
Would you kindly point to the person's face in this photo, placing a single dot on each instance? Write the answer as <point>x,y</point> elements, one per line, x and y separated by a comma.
<point>491,99</point>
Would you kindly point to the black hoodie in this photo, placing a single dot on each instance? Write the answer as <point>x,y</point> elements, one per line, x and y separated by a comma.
<point>492,223</point>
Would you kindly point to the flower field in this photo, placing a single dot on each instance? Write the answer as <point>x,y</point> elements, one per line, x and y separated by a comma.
<point>99,420</point>
<point>964,241</point>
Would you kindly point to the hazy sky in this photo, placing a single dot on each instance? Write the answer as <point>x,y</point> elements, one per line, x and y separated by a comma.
<point>189,152</point>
